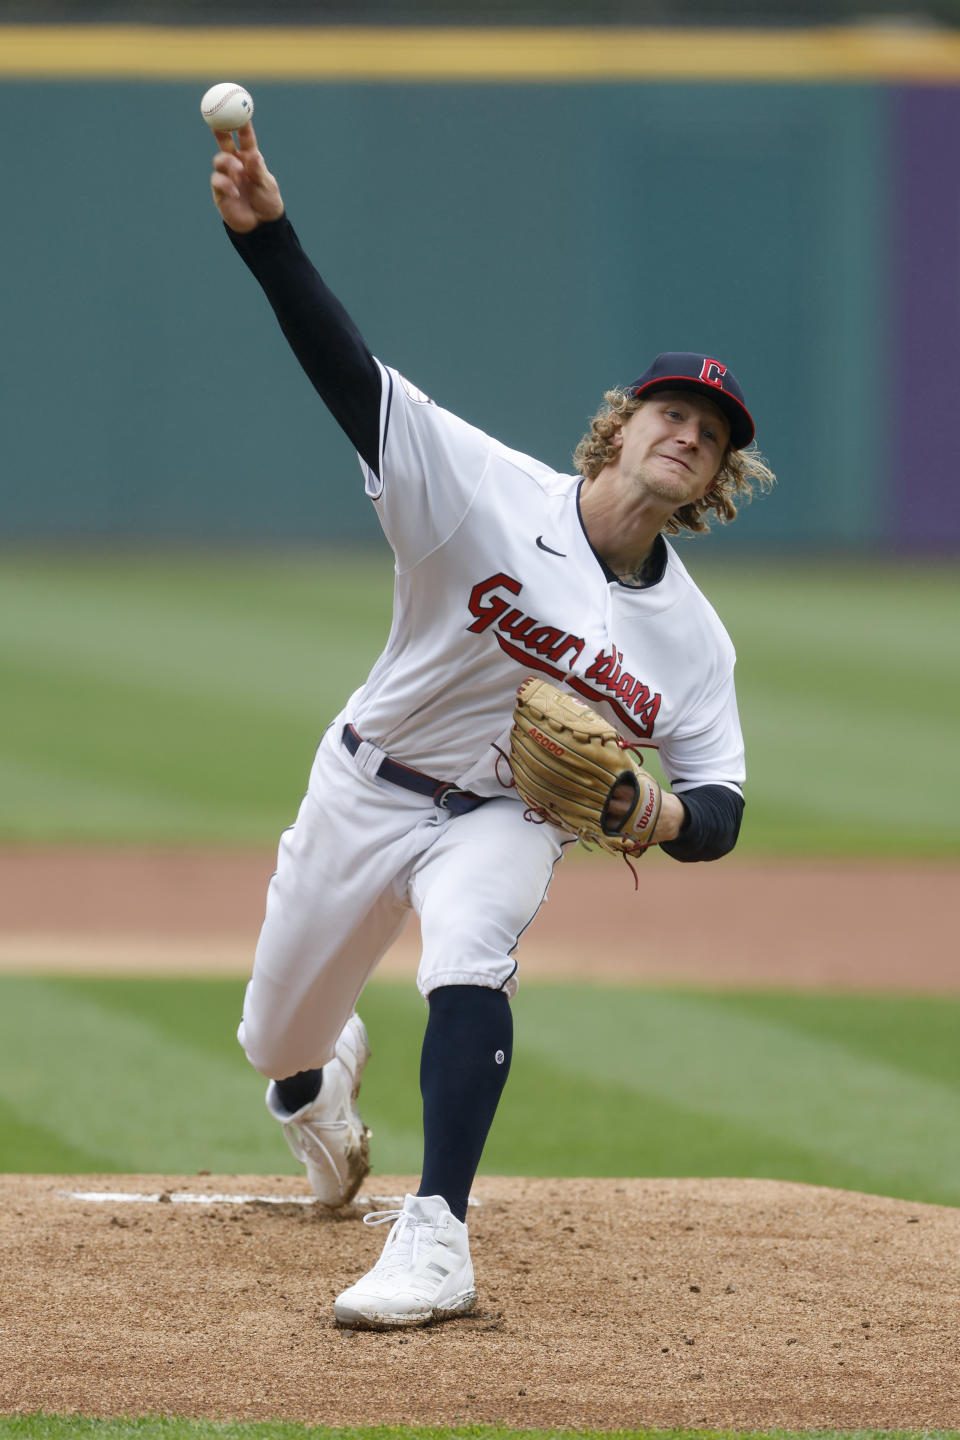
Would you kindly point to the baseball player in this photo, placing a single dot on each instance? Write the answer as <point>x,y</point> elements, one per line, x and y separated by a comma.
<point>505,570</point>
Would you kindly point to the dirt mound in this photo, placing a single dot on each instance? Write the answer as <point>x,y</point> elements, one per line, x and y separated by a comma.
<point>618,1303</point>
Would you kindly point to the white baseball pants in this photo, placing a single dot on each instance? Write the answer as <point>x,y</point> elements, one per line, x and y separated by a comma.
<point>362,854</point>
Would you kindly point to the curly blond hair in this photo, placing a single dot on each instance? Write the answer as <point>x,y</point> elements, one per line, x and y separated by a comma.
<point>740,472</point>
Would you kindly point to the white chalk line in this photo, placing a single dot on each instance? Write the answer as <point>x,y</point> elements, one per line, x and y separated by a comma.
<point>188,1197</point>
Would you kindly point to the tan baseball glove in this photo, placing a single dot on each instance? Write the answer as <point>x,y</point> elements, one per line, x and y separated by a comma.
<point>566,763</point>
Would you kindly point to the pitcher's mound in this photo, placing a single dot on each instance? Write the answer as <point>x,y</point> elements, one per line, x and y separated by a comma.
<point>603,1303</point>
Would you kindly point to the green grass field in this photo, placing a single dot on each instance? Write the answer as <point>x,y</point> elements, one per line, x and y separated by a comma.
<point>52,1427</point>
<point>163,697</point>
<point>849,1091</point>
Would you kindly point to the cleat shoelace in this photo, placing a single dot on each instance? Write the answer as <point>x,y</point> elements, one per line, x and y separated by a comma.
<point>299,1137</point>
<point>403,1245</point>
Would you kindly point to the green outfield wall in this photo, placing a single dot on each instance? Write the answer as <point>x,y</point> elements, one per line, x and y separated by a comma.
<point>514,244</point>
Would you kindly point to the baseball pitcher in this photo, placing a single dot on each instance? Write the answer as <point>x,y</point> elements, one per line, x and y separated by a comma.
<point>545,634</point>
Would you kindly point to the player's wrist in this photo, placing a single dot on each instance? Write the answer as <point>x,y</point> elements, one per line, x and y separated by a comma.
<point>670,820</point>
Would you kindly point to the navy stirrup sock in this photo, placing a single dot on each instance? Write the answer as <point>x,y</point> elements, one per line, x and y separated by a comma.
<point>299,1089</point>
<point>463,1069</point>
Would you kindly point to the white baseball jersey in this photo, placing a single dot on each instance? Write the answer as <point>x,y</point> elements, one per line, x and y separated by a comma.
<point>496,580</point>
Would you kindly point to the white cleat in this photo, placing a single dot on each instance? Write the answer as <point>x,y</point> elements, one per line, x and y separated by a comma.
<point>327,1134</point>
<point>425,1272</point>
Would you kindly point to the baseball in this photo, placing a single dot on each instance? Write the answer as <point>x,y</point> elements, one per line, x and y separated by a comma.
<point>226,106</point>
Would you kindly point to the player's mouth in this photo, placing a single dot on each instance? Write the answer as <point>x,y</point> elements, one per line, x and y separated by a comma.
<point>675,460</point>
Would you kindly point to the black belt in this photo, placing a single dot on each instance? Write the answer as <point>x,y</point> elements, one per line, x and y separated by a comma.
<point>446,796</point>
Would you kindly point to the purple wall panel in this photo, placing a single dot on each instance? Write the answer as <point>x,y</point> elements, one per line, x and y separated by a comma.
<point>925,183</point>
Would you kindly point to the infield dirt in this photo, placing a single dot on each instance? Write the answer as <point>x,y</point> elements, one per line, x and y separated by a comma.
<point>806,923</point>
<point>607,1304</point>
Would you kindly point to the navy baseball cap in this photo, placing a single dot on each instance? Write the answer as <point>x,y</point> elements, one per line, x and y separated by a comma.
<point>685,370</point>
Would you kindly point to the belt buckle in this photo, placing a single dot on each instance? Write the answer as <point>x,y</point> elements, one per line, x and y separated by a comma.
<point>445,793</point>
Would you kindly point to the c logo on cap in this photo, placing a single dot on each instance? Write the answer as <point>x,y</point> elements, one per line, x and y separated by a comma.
<point>713,373</point>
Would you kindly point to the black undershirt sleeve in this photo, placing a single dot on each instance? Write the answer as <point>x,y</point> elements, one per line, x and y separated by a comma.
<point>321,334</point>
<point>712,824</point>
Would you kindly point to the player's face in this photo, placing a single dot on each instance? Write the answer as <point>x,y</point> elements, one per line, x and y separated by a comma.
<point>674,445</point>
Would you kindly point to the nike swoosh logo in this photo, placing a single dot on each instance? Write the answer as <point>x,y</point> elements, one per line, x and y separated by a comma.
<point>541,546</point>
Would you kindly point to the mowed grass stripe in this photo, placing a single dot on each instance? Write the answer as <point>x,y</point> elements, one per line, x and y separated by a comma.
<point>92,807</point>
<point>124,1090</point>
<point>174,697</point>
<point>840,610</point>
<point>764,1075</point>
<point>852,670</point>
<point>605,1082</point>
<point>28,1145</point>
<point>195,630</point>
<point>917,1034</point>
<point>104,758</point>
<point>796,807</point>
<point>577,1126</point>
